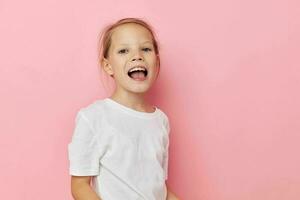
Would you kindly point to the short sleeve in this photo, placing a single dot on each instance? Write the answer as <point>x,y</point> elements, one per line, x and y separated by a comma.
<point>166,152</point>
<point>83,150</point>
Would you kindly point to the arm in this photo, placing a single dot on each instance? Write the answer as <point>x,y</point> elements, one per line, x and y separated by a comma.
<point>81,189</point>
<point>171,195</point>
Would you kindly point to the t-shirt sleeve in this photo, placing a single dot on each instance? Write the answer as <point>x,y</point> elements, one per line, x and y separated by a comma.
<point>166,152</point>
<point>84,151</point>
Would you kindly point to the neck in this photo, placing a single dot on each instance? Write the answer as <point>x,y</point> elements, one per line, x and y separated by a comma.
<point>136,101</point>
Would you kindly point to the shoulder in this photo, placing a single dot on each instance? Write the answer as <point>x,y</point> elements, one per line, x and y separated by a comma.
<point>92,112</point>
<point>164,114</point>
<point>165,118</point>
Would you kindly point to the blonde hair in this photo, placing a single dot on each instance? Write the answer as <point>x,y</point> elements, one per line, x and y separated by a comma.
<point>104,41</point>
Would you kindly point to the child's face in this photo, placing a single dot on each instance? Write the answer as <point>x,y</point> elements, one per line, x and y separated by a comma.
<point>131,46</point>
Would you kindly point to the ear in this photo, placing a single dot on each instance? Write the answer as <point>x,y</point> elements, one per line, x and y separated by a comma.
<point>158,61</point>
<point>158,66</point>
<point>107,67</point>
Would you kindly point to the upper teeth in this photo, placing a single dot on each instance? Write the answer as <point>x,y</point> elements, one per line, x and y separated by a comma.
<point>137,68</point>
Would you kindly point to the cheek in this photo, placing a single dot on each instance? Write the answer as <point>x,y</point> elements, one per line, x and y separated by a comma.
<point>119,69</point>
<point>118,65</point>
<point>156,64</point>
<point>153,61</point>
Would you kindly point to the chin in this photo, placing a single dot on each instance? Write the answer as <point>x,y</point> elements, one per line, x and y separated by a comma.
<point>139,89</point>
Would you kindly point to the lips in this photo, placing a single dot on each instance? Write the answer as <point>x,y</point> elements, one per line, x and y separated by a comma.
<point>136,66</point>
<point>137,70</point>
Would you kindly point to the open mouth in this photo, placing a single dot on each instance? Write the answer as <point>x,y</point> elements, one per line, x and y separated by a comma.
<point>138,73</point>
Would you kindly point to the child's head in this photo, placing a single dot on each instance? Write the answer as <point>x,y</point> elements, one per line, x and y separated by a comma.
<point>126,45</point>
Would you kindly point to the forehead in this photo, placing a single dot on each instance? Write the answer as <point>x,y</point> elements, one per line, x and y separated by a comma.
<point>130,34</point>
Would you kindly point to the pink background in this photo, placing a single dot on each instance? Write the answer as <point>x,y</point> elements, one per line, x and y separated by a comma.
<point>229,83</point>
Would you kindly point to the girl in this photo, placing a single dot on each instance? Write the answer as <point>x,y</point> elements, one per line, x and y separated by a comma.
<point>120,143</point>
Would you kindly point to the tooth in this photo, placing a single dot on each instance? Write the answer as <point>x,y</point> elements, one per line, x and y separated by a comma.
<point>137,68</point>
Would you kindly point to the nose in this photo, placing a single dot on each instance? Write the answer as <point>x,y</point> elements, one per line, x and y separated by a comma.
<point>137,57</point>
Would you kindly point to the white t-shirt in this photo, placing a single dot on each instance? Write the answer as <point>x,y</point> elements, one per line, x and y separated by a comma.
<point>125,150</point>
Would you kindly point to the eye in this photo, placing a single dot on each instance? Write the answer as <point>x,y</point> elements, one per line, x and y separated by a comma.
<point>122,51</point>
<point>147,49</point>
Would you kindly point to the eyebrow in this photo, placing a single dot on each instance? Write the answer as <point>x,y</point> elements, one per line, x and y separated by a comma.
<point>142,43</point>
